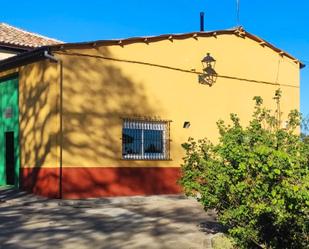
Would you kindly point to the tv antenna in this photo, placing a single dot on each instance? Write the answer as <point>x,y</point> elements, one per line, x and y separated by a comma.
<point>237,12</point>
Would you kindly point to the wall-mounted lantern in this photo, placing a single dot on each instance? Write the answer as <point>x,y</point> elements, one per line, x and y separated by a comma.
<point>209,75</point>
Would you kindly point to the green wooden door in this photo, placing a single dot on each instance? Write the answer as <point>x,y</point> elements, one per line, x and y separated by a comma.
<point>9,132</point>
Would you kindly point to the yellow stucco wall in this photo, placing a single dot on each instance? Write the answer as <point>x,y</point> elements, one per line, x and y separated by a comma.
<point>98,92</point>
<point>38,114</point>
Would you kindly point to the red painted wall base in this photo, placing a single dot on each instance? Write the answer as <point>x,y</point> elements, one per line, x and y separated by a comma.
<point>40,181</point>
<point>81,182</point>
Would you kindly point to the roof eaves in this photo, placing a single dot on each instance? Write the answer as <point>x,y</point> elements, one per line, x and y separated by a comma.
<point>37,53</point>
<point>263,42</point>
<point>239,31</point>
<point>139,39</point>
<point>10,47</point>
<point>23,59</point>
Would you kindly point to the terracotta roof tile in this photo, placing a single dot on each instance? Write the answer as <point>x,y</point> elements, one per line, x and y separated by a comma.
<point>14,36</point>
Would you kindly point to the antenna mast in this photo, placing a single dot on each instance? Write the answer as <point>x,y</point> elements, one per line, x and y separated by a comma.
<point>237,11</point>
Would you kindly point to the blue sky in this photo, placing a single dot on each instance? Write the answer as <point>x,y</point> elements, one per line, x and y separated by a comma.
<point>284,23</point>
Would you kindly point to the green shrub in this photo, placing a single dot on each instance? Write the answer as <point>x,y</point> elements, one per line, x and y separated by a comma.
<point>220,241</point>
<point>256,178</point>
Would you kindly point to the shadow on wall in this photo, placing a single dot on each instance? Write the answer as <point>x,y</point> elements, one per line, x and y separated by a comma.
<point>96,95</point>
<point>39,130</point>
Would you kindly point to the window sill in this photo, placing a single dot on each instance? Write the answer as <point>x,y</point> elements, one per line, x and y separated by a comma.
<point>132,159</point>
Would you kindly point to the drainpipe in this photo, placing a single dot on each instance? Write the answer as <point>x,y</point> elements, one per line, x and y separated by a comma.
<point>54,59</point>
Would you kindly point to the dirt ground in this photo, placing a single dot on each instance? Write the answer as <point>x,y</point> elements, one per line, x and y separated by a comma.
<point>28,221</point>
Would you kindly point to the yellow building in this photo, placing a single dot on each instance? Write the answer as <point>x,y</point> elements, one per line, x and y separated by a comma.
<point>107,118</point>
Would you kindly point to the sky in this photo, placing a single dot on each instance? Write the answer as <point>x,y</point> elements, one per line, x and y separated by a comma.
<point>284,23</point>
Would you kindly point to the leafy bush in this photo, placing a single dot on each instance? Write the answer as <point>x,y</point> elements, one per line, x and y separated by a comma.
<point>256,178</point>
<point>220,241</point>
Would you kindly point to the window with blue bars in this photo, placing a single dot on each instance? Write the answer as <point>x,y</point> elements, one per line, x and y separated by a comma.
<point>145,140</point>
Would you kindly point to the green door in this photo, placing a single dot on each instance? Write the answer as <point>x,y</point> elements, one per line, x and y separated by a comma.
<point>9,132</point>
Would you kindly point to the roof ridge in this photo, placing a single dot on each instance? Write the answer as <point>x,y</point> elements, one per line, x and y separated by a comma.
<point>30,33</point>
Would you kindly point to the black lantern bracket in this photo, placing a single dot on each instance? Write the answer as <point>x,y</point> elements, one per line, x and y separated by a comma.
<point>209,75</point>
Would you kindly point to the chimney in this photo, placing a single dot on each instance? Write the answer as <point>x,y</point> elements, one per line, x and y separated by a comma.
<point>201,21</point>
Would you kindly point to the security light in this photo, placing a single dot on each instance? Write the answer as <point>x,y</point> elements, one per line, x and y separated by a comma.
<point>186,124</point>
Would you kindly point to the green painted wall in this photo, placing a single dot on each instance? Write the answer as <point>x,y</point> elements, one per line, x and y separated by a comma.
<point>9,122</point>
